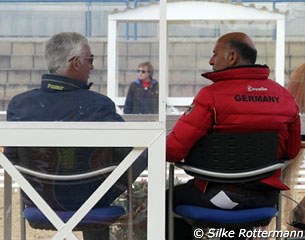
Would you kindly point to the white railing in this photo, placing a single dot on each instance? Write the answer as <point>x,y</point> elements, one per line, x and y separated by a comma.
<point>139,135</point>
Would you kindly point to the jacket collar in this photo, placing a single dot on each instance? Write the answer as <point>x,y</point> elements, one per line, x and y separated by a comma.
<point>258,72</point>
<point>50,82</point>
<point>152,81</point>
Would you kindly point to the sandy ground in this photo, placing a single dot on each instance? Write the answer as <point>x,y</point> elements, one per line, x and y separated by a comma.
<point>33,234</point>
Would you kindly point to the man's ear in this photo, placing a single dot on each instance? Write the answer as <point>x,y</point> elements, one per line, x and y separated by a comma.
<point>75,63</point>
<point>233,57</point>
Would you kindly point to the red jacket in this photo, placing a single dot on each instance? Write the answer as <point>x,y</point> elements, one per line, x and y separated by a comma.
<point>241,99</point>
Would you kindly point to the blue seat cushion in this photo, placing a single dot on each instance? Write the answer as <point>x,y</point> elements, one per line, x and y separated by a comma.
<point>225,216</point>
<point>95,216</point>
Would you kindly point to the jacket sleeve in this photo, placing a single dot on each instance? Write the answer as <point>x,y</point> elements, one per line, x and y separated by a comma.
<point>129,100</point>
<point>12,109</point>
<point>190,127</point>
<point>105,111</point>
<point>293,144</point>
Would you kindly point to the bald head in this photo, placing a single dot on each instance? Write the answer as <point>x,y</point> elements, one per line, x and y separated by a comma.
<point>237,37</point>
<point>233,49</point>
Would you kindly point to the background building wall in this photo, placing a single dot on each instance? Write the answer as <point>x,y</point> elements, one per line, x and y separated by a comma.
<point>22,63</point>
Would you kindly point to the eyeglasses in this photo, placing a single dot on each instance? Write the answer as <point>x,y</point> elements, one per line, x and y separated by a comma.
<point>142,71</point>
<point>90,59</point>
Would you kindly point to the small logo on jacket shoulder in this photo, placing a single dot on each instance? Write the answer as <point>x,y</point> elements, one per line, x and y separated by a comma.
<point>257,89</point>
<point>55,87</point>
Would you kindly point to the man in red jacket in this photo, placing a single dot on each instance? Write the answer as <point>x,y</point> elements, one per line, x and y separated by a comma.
<point>241,99</point>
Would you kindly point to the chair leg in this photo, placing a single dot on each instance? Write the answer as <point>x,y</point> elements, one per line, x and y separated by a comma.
<point>130,207</point>
<point>170,213</point>
<point>22,220</point>
<point>278,220</point>
<point>7,232</point>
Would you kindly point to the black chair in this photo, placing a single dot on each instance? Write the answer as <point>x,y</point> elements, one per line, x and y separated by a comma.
<point>228,158</point>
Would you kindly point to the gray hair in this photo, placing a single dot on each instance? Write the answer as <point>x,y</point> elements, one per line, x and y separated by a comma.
<point>62,47</point>
<point>149,66</point>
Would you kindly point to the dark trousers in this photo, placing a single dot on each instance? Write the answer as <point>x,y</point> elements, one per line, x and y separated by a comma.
<point>190,194</point>
<point>102,234</point>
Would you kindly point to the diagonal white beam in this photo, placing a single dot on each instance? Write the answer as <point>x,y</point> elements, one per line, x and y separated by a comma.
<point>30,191</point>
<point>100,191</point>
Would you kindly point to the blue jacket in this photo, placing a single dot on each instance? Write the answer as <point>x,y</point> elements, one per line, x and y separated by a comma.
<point>64,99</point>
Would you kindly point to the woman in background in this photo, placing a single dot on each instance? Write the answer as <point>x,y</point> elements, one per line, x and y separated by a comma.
<point>143,93</point>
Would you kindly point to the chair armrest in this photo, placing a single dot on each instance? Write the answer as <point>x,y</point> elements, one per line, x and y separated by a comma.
<point>225,175</point>
<point>65,177</point>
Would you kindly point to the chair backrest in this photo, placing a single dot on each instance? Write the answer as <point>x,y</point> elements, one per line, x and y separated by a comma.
<point>56,165</point>
<point>234,152</point>
<point>64,160</point>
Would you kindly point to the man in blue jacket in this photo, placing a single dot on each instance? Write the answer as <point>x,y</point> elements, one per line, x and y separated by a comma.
<point>65,96</point>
